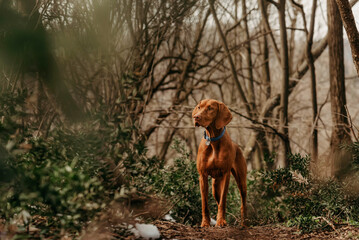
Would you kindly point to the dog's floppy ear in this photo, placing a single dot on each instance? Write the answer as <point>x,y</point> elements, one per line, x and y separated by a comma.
<point>224,116</point>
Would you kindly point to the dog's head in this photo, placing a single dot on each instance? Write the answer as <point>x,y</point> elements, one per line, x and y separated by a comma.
<point>210,112</point>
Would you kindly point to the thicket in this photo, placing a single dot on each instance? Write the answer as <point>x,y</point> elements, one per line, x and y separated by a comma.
<point>293,196</point>
<point>62,181</point>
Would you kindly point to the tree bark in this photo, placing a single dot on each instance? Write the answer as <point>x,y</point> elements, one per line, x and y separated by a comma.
<point>351,29</point>
<point>263,8</point>
<point>249,71</point>
<point>310,60</point>
<point>340,130</point>
<point>284,145</point>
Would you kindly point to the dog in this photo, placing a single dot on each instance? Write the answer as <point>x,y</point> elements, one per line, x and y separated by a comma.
<point>218,156</point>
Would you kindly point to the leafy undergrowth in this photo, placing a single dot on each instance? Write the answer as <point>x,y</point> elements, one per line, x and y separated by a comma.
<point>77,179</point>
<point>286,201</point>
<point>293,196</point>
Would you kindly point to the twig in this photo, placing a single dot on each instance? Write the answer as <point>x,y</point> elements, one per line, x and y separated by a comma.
<point>351,123</point>
<point>328,222</point>
<point>237,219</point>
<point>283,137</point>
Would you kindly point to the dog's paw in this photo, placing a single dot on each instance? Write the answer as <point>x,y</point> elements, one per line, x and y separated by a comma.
<point>221,222</point>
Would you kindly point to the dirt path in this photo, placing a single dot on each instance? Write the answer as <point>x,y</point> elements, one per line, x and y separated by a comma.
<point>171,230</point>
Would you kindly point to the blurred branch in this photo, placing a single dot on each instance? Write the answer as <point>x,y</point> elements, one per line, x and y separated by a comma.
<point>351,126</point>
<point>264,15</point>
<point>275,131</point>
<point>229,56</point>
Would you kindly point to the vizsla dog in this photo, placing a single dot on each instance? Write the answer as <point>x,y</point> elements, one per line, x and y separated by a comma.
<point>218,157</point>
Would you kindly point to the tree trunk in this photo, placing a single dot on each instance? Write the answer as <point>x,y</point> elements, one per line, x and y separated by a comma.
<point>284,145</point>
<point>248,56</point>
<point>265,53</point>
<point>310,59</point>
<point>351,29</point>
<point>340,130</point>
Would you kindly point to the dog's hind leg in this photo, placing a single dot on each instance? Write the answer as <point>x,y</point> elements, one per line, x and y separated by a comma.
<point>239,171</point>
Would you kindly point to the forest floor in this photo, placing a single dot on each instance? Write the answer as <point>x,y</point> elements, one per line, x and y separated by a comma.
<point>170,230</point>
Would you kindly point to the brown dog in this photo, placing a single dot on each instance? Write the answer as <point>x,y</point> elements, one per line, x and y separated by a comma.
<point>218,157</point>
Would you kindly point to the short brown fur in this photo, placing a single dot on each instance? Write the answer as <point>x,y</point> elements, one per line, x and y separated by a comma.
<point>218,160</point>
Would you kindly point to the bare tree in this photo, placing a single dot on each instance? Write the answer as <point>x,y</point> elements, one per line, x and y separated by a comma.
<point>351,29</point>
<point>248,58</point>
<point>340,130</point>
<point>284,96</point>
<point>310,60</point>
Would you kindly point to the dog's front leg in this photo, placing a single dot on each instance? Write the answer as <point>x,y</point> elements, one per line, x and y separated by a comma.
<point>222,190</point>
<point>203,183</point>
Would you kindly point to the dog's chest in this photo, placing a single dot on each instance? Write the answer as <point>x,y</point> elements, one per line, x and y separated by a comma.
<point>215,164</point>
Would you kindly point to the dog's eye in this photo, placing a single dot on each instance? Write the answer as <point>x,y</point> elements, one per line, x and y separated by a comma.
<point>199,107</point>
<point>209,108</point>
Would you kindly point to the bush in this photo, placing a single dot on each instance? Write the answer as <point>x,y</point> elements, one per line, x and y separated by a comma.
<point>69,176</point>
<point>292,195</point>
<point>178,183</point>
<point>53,184</point>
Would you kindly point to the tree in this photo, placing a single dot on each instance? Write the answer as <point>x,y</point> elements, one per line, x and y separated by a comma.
<point>351,29</point>
<point>310,60</point>
<point>340,129</point>
<point>283,114</point>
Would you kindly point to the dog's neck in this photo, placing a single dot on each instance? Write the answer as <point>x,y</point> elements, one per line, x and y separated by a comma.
<point>212,131</point>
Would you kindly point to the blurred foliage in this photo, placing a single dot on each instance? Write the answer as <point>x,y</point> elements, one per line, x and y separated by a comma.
<point>354,149</point>
<point>25,44</point>
<point>69,176</point>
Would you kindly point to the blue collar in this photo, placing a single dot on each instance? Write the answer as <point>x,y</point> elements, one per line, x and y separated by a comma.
<point>215,138</point>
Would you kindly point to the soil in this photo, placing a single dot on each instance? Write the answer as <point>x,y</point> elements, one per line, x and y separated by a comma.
<point>170,230</point>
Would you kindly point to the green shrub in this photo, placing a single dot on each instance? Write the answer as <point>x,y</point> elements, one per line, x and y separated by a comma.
<point>178,183</point>
<point>305,223</point>
<point>51,183</point>
<point>69,176</point>
<point>354,149</point>
<point>292,195</point>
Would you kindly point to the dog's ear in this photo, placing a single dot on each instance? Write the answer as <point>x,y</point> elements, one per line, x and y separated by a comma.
<point>224,116</point>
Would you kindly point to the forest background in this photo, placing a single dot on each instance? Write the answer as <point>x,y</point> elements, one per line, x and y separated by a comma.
<point>96,101</point>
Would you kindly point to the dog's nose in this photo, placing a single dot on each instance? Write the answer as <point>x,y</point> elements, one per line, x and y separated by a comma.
<point>196,117</point>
